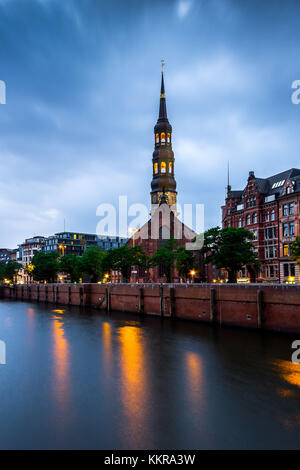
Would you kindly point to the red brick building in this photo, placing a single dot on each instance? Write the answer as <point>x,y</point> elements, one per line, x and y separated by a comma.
<point>270,208</point>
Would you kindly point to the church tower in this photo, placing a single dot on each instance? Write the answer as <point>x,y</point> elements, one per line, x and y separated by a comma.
<point>163,181</point>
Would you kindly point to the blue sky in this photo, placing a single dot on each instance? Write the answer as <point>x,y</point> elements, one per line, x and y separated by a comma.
<point>83,80</point>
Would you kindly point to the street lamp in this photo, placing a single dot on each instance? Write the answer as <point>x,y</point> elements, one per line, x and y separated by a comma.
<point>192,273</point>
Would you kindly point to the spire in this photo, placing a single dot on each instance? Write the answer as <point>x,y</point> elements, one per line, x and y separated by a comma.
<point>162,103</point>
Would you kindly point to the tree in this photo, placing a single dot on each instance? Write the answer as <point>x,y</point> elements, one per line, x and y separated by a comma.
<point>166,257</point>
<point>92,263</point>
<point>229,248</point>
<point>2,271</point>
<point>295,250</point>
<point>123,258</point>
<point>72,265</point>
<point>185,262</point>
<point>11,270</point>
<point>46,266</point>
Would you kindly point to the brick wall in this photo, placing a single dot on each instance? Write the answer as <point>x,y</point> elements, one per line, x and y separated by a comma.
<point>272,307</point>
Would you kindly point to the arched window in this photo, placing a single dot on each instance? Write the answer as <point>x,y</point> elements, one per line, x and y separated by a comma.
<point>240,222</point>
<point>248,220</point>
<point>163,167</point>
<point>255,218</point>
<point>170,167</point>
<point>168,137</point>
<point>156,168</point>
<point>163,137</point>
<point>273,214</point>
<point>156,138</point>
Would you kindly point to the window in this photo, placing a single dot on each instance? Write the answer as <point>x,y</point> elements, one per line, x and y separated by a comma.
<point>248,219</point>
<point>255,218</point>
<point>156,138</point>
<point>285,209</point>
<point>170,167</point>
<point>292,228</point>
<point>273,214</point>
<point>168,137</point>
<point>156,168</point>
<point>267,217</point>
<point>285,250</point>
<point>291,208</point>
<point>163,137</point>
<point>270,251</point>
<point>285,230</point>
<point>286,270</point>
<point>270,233</point>
<point>163,167</point>
<point>240,222</point>
<point>255,234</point>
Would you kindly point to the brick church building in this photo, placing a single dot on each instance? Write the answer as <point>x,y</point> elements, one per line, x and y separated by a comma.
<point>163,223</point>
<point>270,208</point>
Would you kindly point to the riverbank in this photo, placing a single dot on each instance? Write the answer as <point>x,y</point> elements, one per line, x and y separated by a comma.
<point>271,307</point>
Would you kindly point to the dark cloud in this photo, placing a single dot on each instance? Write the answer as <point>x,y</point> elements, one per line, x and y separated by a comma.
<point>82,98</point>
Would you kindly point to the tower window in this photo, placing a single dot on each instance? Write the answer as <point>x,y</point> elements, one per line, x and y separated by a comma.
<point>163,167</point>
<point>156,138</point>
<point>163,137</point>
<point>170,167</point>
<point>156,168</point>
<point>168,137</point>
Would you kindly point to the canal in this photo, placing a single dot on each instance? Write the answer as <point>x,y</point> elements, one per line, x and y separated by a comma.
<point>83,379</point>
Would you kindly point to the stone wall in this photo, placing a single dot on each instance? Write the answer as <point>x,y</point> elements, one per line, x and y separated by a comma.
<point>272,307</point>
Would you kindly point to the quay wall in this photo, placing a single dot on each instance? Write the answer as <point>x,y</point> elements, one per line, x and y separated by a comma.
<point>270,307</point>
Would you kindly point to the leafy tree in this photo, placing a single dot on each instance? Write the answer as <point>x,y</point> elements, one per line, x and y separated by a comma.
<point>11,270</point>
<point>295,250</point>
<point>2,271</point>
<point>229,248</point>
<point>72,265</point>
<point>123,258</point>
<point>185,262</point>
<point>46,266</point>
<point>166,257</point>
<point>92,263</point>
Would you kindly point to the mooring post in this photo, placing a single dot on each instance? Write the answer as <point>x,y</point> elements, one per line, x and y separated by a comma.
<point>212,304</point>
<point>81,295</point>
<point>141,300</point>
<point>172,302</point>
<point>107,295</point>
<point>46,292</point>
<point>161,294</point>
<point>259,307</point>
<point>38,292</point>
<point>22,292</point>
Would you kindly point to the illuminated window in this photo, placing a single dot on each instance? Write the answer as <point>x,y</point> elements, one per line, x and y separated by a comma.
<point>156,138</point>
<point>163,137</point>
<point>155,168</point>
<point>74,236</point>
<point>285,250</point>
<point>163,167</point>
<point>168,137</point>
<point>170,167</point>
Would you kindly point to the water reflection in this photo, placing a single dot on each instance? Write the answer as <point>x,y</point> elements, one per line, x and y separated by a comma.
<point>134,384</point>
<point>195,378</point>
<point>107,348</point>
<point>61,383</point>
<point>289,371</point>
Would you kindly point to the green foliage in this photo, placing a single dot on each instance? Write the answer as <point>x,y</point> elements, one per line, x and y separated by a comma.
<point>295,250</point>
<point>229,248</point>
<point>165,257</point>
<point>123,258</point>
<point>185,262</point>
<point>2,271</point>
<point>72,265</point>
<point>92,263</point>
<point>46,266</point>
<point>11,270</point>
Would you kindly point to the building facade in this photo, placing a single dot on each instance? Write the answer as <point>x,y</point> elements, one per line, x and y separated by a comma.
<point>66,243</point>
<point>270,208</point>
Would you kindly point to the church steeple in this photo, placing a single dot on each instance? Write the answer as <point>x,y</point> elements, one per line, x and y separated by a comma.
<point>163,181</point>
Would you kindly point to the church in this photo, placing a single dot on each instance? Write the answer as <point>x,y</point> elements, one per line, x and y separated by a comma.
<point>163,223</point>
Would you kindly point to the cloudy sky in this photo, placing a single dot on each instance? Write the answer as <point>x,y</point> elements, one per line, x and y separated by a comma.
<point>83,79</point>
